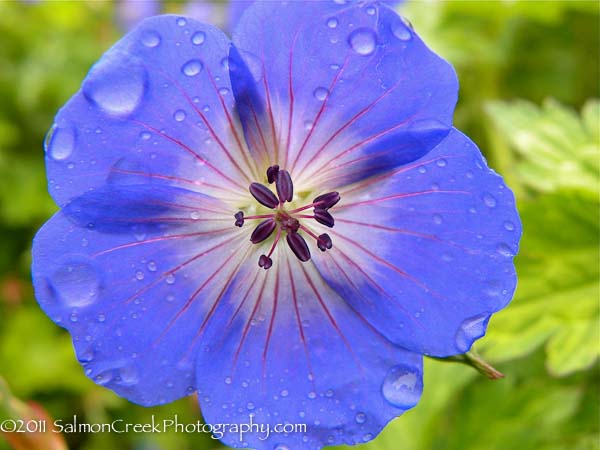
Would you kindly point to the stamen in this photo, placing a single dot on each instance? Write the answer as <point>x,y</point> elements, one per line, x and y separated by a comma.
<point>298,246</point>
<point>323,217</point>
<point>272,173</point>
<point>326,201</point>
<point>265,262</point>
<point>324,242</point>
<point>285,187</point>
<point>263,195</point>
<point>239,218</point>
<point>262,231</point>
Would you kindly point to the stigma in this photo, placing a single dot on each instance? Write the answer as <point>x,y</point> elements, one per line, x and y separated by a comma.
<point>283,221</point>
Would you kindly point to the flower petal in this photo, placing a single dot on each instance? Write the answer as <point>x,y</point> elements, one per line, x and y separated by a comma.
<point>126,271</point>
<point>156,107</point>
<point>425,253</point>
<point>286,349</point>
<point>321,86</point>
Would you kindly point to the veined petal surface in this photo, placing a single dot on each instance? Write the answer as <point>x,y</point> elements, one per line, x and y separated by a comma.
<point>286,349</point>
<point>335,93</point>
<point>425,252</point>
<point>156,108</point>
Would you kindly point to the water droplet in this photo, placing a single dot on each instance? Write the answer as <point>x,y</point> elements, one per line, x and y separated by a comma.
<point>437,219</point>
<point>312,395</point>
<point>402,386</point>
<point>76,283</point>
<point>370,10</point>
<point>228,380</point>
<point>360,417</point>
<point>198,38</point>
<point>367,437</point>
<point>116,84</point>
<point>152,266</point>
<point>128,376</point>
<point>60,142</point>
<point>320,93</point>
<point>470,330</point>
<point>281,447</point>
<point>86,356</point>
<point>362,41</point>
<point>73,318</point>
<point>505,250</point>
<point>284,393</point>
<point>170,279</point>
<point>422,169</point>
<point>223,91</point>
<point>441,162</point>
<point>192,67</point>
<point>401,31</point>
<point>144,135</point>
<point>332,23</point>
<point>250,406</point>
<point>181,22</point>
<point>101,318</point>
<point>150,38</point>
<point>489,200</point>
<point>139,275</point>
<point>509,226</point>
<point>179,115</point>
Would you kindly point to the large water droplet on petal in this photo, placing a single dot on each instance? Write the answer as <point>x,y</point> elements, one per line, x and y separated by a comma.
<point>402,386</point>
<point>192,67</point>
<point>489,200</point>
<point>76,283</point>
<point>320,93</point>
<point>363,41</point>
<point>116,84</point>
<point>128,376</point>
<point>470,330</point>
<point>60,142</point>
<point>198,38</point>
<point>150,38</point>
<point>401,31</point>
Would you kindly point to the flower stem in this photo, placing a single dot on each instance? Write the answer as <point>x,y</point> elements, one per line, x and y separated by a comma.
<point>473,359</point>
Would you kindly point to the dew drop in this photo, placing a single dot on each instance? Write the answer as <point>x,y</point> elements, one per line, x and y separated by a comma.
<point>367,437</point>
<point>402,386</point>
<point>441,162</point>
<point>170,279</point>
<point>198,38</point>
<point>150,38</point>
<point>179,115</point>
<point>128,376</point>
<point>86,356</point>
<point>362,41</point>
<point>360,417</point>
<point>437,219</point>
<point>192,67</point>
<point>320,93</point>
<point>116,85</point>
<point>312,395</point>
<point>470,330</point>
<point>250,406</point>
<point>144,135</point>
<point>152,266</point>
<point>139,275</point>
<point>370,10</point>
<point>332,23</point>
<point>73,318</point>
<point>422,169</point>
<point>401,31</point>
<point>228,380</point>
<point>505,250</point>
<point>509,226</point>
<point>223,91</point>
<point>76,283</point>
<point>181,22</point>
<point>101,318</point>
<point>60,142</point>
<point>489,200</point>
<point>284,393</point>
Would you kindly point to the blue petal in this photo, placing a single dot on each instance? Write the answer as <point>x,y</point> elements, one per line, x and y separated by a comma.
<point>126,271</point>
<point>286,349</point>
<point>328,86</point>
<point>157,108</point>
<point>425,253</point>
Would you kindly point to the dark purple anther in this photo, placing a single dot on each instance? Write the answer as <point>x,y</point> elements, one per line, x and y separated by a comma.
<point>298,246</point>
<point>262,231</point>
<point>326,201</point>
<point>263,195</point>
<point>324,217</point>
<point>324,242</point>
<point>239,218</point>
<point>285,187</point>
<point>290,224</point>
<point>265,262</point>
<point>272,173</point>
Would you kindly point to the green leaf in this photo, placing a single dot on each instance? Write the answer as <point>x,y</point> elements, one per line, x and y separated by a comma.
<point>556,302</point>
<point>559,149</point>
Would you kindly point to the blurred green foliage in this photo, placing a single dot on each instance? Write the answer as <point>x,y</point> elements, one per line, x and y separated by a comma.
<point>529,76</point>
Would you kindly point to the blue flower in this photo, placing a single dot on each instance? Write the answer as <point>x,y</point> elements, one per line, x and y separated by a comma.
<point>284,223</point>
